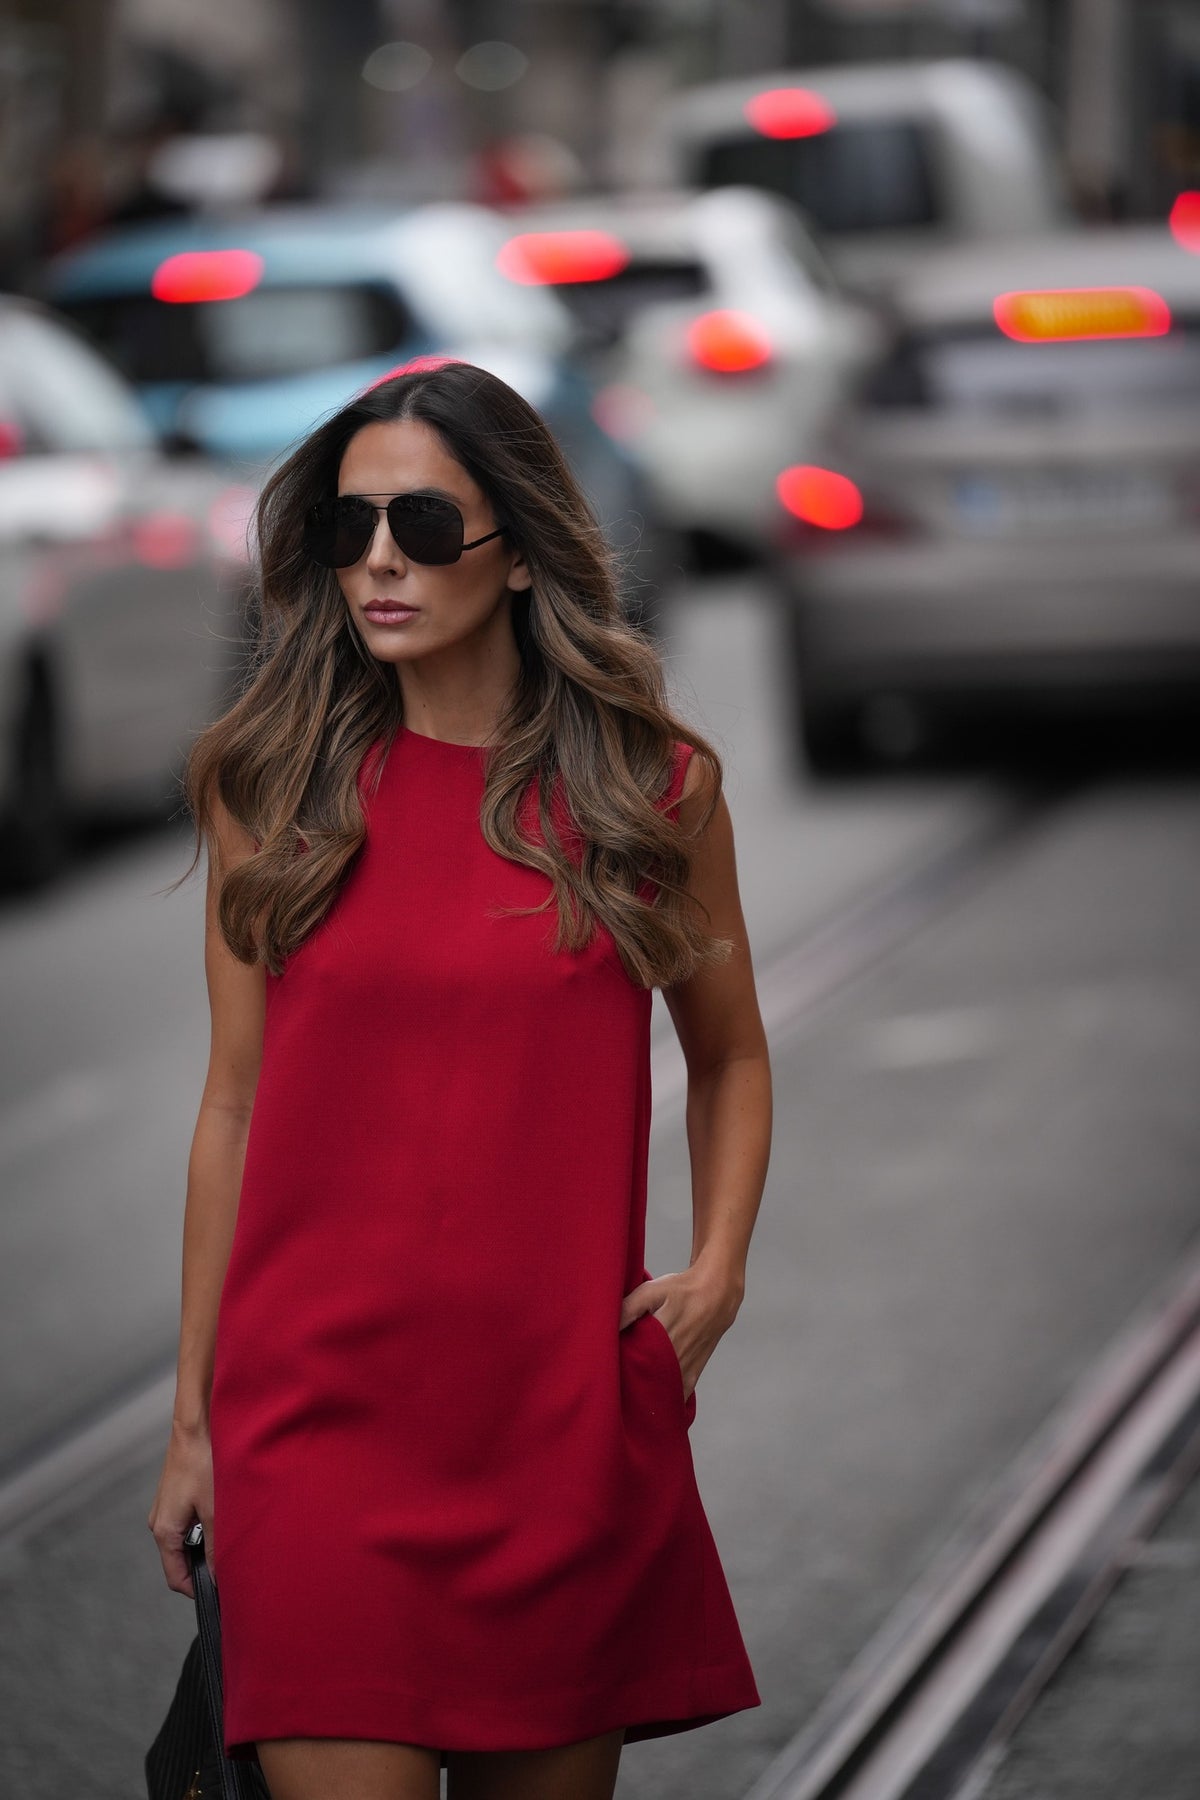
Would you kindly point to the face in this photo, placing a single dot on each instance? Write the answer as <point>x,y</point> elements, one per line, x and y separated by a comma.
<point>453,603</point>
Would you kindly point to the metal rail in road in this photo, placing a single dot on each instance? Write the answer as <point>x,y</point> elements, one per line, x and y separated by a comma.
<point>926,1709</point>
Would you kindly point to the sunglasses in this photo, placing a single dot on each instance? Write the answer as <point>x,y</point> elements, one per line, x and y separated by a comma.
<point>426,528</point>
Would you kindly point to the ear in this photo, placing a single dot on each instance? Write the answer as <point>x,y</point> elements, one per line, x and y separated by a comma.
<point>519,575</point>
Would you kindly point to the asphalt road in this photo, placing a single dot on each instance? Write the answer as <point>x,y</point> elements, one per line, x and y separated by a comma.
<point>984,1158</point>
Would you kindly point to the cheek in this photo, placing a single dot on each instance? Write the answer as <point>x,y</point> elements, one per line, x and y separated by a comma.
<point>461,603</point>
<point>351,582</point>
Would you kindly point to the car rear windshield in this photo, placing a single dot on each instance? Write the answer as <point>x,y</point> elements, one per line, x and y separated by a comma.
<point>875,176</point>
<point>981,371</point>
<point>604,308</point>
<point>268,333</point>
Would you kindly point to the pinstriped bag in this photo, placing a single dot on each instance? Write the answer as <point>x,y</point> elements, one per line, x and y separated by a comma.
<point>187,1759</point>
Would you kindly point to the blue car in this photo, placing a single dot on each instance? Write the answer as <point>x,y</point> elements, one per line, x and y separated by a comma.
<point>241,332</point>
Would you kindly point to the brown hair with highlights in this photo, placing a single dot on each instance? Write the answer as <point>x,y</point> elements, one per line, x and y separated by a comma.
<point>588,718</point>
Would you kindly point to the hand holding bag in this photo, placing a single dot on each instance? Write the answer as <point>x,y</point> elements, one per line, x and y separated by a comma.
<point>187,1759</point>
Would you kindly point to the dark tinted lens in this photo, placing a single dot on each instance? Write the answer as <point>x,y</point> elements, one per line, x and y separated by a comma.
<point>427,529</point>
<point>336,532</point>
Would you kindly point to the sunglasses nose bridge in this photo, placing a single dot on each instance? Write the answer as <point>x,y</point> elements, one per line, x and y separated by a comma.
<point>382,548</point>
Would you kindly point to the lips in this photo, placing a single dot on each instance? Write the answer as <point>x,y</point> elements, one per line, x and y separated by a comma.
<point>385,609</point>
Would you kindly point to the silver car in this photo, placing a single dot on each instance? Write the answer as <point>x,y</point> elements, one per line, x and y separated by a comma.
<point>1011,505</point>
<point>122,580</point>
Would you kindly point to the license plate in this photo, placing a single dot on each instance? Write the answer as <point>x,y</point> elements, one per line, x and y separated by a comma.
<point>1060,500</point>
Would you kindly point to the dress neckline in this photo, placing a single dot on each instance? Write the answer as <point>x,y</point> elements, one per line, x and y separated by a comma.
<point>441,743</point>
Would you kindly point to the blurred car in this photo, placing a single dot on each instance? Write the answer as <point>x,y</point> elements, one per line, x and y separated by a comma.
<point>718,332</point>
<point>122,576</point>
<point>1010,506</point>
<point>889,160</point>
<point>241,332</point>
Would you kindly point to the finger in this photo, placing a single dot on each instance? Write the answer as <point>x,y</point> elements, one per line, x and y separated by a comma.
<point>640,1300</point>
<point>175,1568</point>
<point>631,1307</point>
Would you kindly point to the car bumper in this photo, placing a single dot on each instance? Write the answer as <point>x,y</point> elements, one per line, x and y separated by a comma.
<point>1079,620</point>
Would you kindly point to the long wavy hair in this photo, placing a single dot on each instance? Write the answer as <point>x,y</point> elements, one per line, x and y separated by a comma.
<point>588,717</point>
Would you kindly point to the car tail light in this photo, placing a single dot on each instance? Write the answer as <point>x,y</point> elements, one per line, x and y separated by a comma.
<point>1052,315</point>
<point>207,275</point>
<point>12,440</point>
<point>790,112</point>
<point>542,258</point>
<point>1184,220</point>
<point>820,497</point>
<point>821,508</point>
<point>728,342</point>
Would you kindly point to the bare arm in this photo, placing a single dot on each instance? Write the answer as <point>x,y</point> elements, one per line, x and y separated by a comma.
<point>719,1026</point>
<point>729,1106</point>
<point>237,995</point>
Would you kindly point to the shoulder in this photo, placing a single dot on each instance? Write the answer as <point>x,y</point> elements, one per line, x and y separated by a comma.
<point>692,793</point>
<point>230,843</point>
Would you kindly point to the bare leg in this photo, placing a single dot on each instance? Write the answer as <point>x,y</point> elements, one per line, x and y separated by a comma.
<point>582,1771</point>
<point>301,1768</point>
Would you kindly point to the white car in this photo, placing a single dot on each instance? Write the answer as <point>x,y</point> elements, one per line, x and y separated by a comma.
<point>719,336</point>
<point>889,160</point>
<point>122,584</point>
<point>1009,510</point>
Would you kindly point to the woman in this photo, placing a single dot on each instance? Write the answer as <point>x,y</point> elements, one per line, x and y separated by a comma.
<point>432,1409</point>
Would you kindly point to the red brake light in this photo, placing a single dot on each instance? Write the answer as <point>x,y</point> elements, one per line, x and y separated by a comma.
<point>820,497</point>
<point>538,258</point>
<point>728,342</point>
<point>1058,314</point>
<point>1184,220</point>
<point>207,275</point>
<point>790,113</point>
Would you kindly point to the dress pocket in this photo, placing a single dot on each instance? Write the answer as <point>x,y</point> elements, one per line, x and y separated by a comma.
<point>687,1403</point>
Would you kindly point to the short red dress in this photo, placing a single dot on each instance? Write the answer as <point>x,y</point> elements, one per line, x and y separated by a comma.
<point>454,1504</point>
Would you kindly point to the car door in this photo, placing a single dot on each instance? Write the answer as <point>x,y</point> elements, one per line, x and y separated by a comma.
<point>109,560</point>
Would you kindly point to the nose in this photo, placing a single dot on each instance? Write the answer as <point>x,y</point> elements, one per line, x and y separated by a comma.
<point>383,552</point>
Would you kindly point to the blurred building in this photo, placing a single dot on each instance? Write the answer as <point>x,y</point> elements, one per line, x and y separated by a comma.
<point>121,107</point>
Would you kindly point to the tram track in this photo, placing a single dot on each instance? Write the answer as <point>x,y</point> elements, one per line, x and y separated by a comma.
<point>926,1708</point>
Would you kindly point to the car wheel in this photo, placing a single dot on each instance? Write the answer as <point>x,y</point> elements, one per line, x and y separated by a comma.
<point>830,737</point>
<point>35,839</point>
<point>826,733</point>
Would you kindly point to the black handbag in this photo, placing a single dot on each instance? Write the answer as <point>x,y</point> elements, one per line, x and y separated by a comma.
<point>187,1759</point>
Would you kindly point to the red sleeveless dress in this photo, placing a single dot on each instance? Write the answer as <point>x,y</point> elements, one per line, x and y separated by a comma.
<point>454,1505</point>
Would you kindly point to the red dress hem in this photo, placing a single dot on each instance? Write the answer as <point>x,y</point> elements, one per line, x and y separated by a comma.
<point>470,1721</point>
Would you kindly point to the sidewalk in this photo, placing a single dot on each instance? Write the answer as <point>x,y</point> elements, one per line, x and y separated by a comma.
<point>1120,1720</point>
